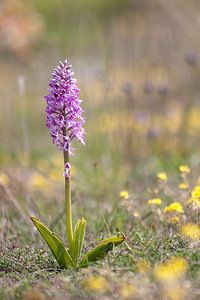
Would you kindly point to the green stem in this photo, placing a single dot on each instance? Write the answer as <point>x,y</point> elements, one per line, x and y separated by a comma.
<point>68,205</point>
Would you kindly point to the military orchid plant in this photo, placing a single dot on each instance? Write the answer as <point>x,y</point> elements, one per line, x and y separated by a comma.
<point>65,120</point>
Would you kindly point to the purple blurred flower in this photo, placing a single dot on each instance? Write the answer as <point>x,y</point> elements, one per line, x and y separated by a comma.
<point>63,110</point>
<point>191,57</point>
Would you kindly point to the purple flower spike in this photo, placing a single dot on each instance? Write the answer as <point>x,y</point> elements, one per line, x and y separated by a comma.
<point>63,110</point>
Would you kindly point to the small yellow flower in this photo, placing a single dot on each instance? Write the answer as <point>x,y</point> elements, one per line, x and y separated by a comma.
<point>190,200</point>
<point>162,176</point>
<point>96,283</point>
<point>191,230</point>
<point>127,290</point>
<point>196,191</point>
<point>124,194</point>
<point>182,186</point>
<point>175,219</point>
<point>174,207</point>
<point>197,201</point>
<point>194,200</point>
<point>172,270</point>
<point>155,201</point>
<point>4,180</point>
<point>199,180</point>
<point>184,169</point>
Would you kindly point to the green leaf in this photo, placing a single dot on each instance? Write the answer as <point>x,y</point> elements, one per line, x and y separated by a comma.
<point>55,244</point>
<point>114,239</point>
<point>101,250</point>
<point>79,234</point>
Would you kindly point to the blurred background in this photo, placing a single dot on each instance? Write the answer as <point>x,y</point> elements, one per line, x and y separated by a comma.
<point>138,69</point>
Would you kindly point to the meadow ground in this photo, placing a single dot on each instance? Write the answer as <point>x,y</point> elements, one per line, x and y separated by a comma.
<point>138,68</point>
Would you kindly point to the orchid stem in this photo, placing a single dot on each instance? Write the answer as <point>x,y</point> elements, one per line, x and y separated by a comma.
<point>68,205</point>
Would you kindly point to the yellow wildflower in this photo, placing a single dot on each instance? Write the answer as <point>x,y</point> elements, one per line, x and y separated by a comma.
<point>155,201</point>
<point>162,176</point>
<point>127,290</point>
<point>4,180</point>
<point>196,191</point>
<point>124,194</point>
<point>172,270</point>
<point>96,283</point>
<point>191,230</point>
<point>194,200</point>
<point>184,169</point>
<point>174,207</point>
<point>182,186</point>
<point>190,200</point>
<point>199,180</point>
<point>175,219</point>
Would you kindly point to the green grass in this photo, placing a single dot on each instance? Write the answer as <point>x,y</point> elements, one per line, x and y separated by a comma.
<point>25,270</point>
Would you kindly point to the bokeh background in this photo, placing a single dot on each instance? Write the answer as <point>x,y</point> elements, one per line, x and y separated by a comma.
<point>138,69</point>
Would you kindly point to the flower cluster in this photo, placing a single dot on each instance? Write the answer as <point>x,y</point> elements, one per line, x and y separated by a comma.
<point>64,114</point>
<point>157,201</point>
<point>124,194</point>
<point>181,210</point>
<point>162,176</point>
<point>195,197</point>
<point>173,270</point>
<point>175,206</point>
<point>184,169</point>
<point>191,230</point>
